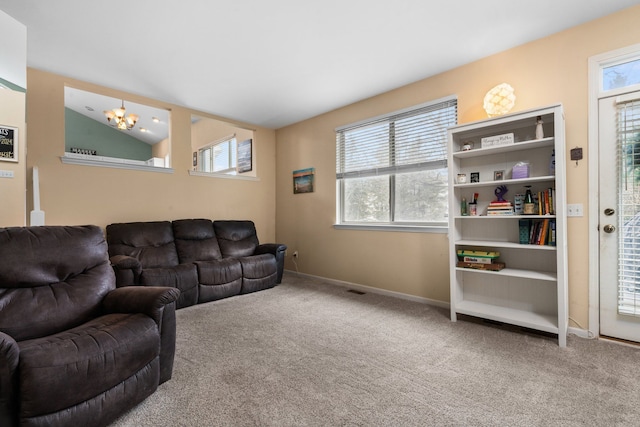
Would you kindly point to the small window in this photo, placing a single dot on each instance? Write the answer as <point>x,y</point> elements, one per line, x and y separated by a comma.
<point>219,157</point>
<point>621,75</point>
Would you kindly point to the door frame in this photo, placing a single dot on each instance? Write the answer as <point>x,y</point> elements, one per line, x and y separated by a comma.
<point>596,63</point>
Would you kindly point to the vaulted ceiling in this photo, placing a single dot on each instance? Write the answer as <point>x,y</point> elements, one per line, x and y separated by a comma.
<point>273,63</point>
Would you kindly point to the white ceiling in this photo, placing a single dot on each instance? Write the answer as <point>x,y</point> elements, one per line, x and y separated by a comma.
<point>273,63</point>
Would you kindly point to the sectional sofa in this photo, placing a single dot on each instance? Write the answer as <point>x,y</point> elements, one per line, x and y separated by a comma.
<point>206,260</point>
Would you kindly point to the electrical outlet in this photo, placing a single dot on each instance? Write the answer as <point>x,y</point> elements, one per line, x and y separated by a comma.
<point>575,209</point>
<point>6,174</point>
<point>295,254</point>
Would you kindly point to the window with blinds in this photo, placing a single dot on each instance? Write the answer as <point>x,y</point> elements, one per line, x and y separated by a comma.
<point>220,157</point>
<point>392,169</point>
<point>629,208</point>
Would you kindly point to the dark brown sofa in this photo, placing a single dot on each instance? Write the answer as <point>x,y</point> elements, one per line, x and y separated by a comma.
<point>74,350</point>
<point>206,260</point>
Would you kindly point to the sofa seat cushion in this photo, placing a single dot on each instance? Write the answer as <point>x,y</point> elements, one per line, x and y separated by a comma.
<point>259,272</point>
<point>219,279</point>
<point>183,277</point>
<point>71,367</point>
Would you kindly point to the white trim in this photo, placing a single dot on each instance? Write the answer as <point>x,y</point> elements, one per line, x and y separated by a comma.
<point>223,176</point>
<point>373,290</point>
<point>596,64</point>
<point>389,227</point>
<point>115,165</point>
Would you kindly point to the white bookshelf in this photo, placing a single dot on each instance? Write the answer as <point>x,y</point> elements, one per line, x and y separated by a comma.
<point>531,291</point>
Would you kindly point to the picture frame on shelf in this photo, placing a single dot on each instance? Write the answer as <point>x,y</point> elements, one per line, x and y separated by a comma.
<point>475,176</point>
<point>498,175</point>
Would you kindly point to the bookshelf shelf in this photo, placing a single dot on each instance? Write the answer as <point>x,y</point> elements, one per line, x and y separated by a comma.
<point>531,290</point>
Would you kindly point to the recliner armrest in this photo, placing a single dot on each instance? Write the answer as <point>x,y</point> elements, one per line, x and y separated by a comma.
<point>157,302</point>
<point>149,300</point>
<point>9,359</point>
<point>278,250</point>
<point>271,248</point>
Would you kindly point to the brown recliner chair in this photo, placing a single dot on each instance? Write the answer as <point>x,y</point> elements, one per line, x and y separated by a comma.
<point>74,350</point>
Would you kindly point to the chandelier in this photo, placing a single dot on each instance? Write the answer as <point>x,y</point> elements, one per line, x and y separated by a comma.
<point>118,116</point>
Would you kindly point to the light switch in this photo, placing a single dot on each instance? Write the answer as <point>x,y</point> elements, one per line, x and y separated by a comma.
<point>6,174</point>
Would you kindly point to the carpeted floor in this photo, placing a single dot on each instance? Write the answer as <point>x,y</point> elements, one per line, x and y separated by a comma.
<point>308,353</point>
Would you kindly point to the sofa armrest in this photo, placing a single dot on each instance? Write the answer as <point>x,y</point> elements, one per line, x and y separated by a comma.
<point>149,300</point>
<point>9,358</point>
<point>127,269</point>
<point>159,303</point>
<point>278,250</point>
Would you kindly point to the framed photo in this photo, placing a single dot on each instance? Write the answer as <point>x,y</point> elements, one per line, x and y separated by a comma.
<point>498,175</point>
<point>8,143</point>
<point>303,180</point>
<point>245,161</point>
<point>475,176</point>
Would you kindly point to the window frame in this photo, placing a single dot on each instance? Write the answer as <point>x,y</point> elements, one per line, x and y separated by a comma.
<point>233,156</point>
<point>393,170</point>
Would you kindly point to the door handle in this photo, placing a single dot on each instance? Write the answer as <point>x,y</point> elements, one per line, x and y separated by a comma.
<point>609,228</point>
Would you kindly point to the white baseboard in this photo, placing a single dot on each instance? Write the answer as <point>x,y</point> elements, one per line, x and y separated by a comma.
<point>373,290</point>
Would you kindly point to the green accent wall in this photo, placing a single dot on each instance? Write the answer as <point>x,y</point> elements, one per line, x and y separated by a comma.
<point>12,86</point>
<point>83,132</point>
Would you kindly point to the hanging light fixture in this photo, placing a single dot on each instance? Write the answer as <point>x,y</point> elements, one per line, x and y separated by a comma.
<point>118,116</point>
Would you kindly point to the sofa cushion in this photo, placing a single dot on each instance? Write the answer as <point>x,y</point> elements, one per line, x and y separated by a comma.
<point>88,359</point>
<point>150,242</point>
<point>236,238</point>
<point>219,279</point>
<point>259,272</point>
<point>195,240</point>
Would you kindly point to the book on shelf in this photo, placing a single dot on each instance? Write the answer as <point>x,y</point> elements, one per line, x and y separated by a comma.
<point>495,266</point>
<point>500,208</point>
<point>537,232</point>
<point>545,202</point>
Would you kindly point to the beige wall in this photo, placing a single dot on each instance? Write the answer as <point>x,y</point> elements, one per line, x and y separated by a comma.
<point>551,70</point>
<point>74,194</point>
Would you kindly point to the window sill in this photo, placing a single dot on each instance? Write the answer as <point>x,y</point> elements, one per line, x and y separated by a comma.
<point>112,164</point>
<point>223,176</point>
<point>397,228</point>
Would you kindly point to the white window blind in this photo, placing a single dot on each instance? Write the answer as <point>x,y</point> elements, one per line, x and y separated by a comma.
<point>629,208</point>
<point>392,168</point>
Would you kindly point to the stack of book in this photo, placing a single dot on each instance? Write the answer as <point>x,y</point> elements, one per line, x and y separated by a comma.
<point>500,208</point>
<point>479,260</point>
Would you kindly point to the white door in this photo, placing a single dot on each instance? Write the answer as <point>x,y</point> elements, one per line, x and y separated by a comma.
<point>619,216</point>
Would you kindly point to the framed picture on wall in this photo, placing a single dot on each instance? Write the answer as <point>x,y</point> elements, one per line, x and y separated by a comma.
<point>8,143</point>
<point>303,180</point>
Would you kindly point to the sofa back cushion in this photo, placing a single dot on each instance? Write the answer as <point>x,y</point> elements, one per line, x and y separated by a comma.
<point>195,240</point>
<point>150,242</point>
<point>236,238</point>
<point>52,278</point>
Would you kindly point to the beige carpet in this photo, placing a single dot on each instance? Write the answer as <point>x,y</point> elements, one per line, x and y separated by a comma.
<point>307,353</point>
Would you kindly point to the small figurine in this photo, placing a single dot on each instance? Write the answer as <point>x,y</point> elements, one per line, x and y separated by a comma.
<point>500,192</point>
<point>539,130</point>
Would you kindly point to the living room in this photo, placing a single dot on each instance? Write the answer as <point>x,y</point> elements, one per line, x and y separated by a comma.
<point>409,265</point>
